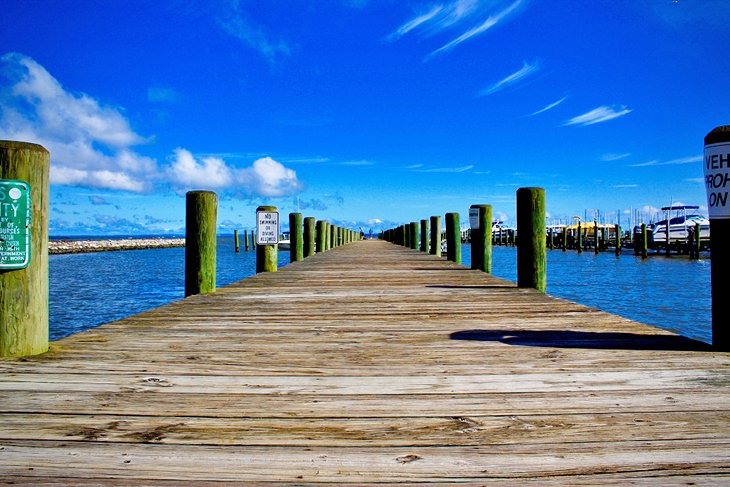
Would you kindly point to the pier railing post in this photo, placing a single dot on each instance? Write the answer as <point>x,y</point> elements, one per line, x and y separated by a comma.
<point>201,214</point>
<point>531,252</point>
<point>435,243</point>
<point>717,174</point>
<point>309,236</point>
<point>296,246</point>
<point>453,238</point>
<point>24,168</point>
<point>267,255</point>
<point>424,236</point>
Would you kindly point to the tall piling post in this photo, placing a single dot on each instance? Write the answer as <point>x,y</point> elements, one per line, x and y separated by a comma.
<point>201,214</point>
<point>644,242</point>
<point>453,238</point>
<point>413,229</point>
<point>296,245</point>
<point>596,238</point>
<point>617,229</point>
<point>717,173</point>
<point>310,236</point>
<point>267,253</point>
<point>481,237</point>
<point>237,243</point>
<point>531,252</point>
<point>565,239</point>
<point>579,238</point>
<point>435,244</point>
<point>424,236</point>
<point>24,169</point>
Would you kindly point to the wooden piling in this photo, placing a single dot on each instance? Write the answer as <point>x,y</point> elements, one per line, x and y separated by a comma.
<point>413,229</point>
<point>453,238</point>
<point>201,213</point>
<point>596,238</point>
<point>617,229</point>
<point>644,242</point>
<point>697,240</point>
<point>24,291</point>
<point>424,236</point>
<point>245,240</point>
<point>321,235</point>
<point>531,253</point>
<point>435,244</point>
<point>579,237</point>
<point>296,246</point>
<point>717,153</point>
<point>481,239</point>
<point>267,255</point>
<point>310,236</point>
<point>236,241</point>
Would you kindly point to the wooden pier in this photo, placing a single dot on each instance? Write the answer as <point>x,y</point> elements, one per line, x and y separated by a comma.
<point>368,364</point>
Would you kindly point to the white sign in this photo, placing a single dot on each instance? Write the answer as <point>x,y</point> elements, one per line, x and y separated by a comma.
<point>474,218</point>
<point>267,227</point>
<point>717,179</point>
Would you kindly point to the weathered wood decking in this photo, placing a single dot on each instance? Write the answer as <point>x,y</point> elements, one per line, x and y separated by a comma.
<point>370,363</point>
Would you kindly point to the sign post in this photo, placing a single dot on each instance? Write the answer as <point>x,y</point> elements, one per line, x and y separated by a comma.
<point>717,183</point>
<point>24,190</point>
<point>267,238</point>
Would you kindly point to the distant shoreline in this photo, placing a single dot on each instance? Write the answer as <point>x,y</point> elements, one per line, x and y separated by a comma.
<point>85,246</point>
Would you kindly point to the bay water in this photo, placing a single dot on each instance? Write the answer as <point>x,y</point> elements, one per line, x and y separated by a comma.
<point>87,290</point>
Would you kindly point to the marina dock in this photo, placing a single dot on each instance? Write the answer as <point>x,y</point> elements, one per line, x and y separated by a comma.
<point>368,364</point>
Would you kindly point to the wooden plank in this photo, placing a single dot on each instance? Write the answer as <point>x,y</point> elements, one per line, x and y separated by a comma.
<point>368,364</point>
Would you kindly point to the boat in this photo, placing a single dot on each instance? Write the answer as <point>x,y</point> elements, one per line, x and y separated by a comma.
<point>285,241</point>
<point>681,225</point>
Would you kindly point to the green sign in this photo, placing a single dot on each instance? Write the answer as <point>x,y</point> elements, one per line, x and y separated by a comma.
<point>14,224</point>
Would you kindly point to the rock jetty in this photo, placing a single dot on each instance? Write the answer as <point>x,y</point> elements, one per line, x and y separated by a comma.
<point>80,246</point>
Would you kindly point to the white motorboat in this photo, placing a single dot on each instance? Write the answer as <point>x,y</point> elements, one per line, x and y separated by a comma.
<point>680,225</point>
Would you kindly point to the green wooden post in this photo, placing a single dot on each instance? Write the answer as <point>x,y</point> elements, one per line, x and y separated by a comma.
<point>253,240</point>
<point>485,231</point>
<point>245,240</point>
<point>579,241</point>
<point>644,244</point>
<point>296,246</point>
<point>698,240</point>
<point>310,236</point>
<point>551,239</point>
<point>24,290</point>
<point>565,238</point>
<point>321,235</point>
<point>453,238</point>
<point>716,161</point>
<point>236,241</point>
<point>413,235</point>
<point>596,238</point>
<point>201,214</point>
<point>531,253</point>
<point>267,255</point>
<point>435,236</point>
<point>424,236</point>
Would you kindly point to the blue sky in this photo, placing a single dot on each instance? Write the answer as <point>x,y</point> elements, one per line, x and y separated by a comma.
<point>364,112</point>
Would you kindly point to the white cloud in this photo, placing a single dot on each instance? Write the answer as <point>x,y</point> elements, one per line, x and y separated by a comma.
<point>265,177</point>
<point>447,169</point>
<point>548,107</point>
<point>415,22</point>
<point>600,114</point>
<point>673,162</point>
<point>625,185</point>
<point>526,70</point>
<point>237,25</point>
<point>490,22</point>
<point>89,143</point>
<point>614,157</point>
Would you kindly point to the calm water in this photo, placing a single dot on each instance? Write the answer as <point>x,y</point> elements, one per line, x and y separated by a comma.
<point>674,293</point>
<point>87,290</point>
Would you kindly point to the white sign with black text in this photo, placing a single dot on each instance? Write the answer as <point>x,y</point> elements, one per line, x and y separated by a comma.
<point>717,179</point>
<point>267,227</point>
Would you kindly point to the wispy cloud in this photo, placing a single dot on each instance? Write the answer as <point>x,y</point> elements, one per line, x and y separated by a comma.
<point>415,22</point>
<point>476,16</point>
<point>490,22</point>
<point>625,185</point>
<point>256,37</point>
<point>598,115</point>
<point>614,157</point>
<point>357,163</point>
<point>526,70</point>
<point>446,169</point>
<point>673,162</point>
<point>548,107</point>
<point>695,180</point>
